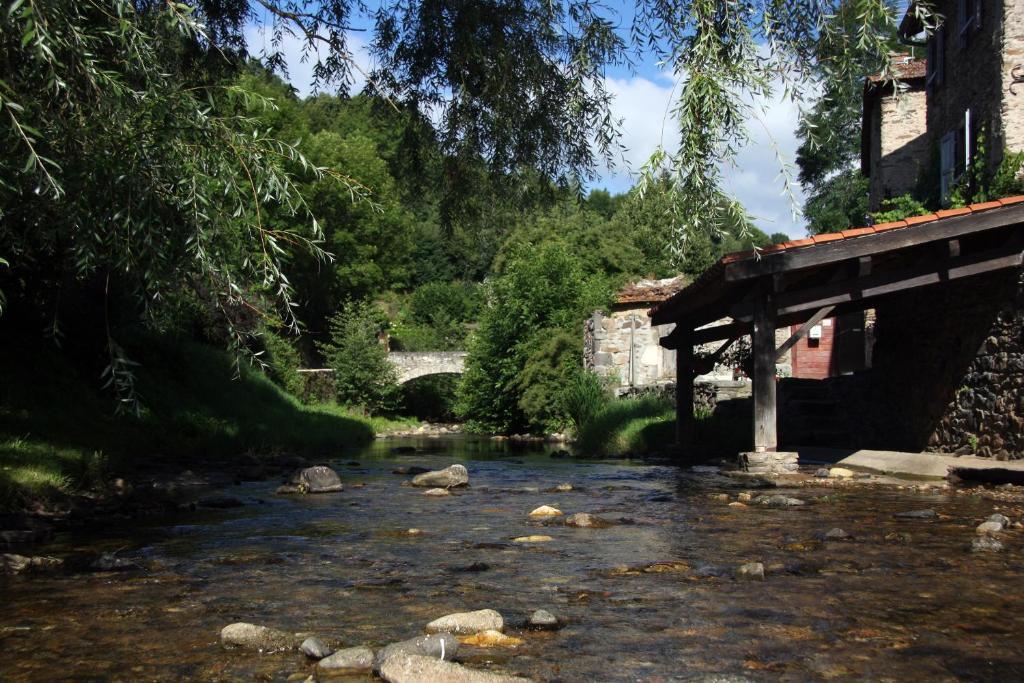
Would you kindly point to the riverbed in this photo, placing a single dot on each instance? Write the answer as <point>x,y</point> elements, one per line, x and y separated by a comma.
<point>654,597</point>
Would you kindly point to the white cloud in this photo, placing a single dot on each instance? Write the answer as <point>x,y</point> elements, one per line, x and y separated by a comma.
<point>301,59</point>
<point>644,105</point>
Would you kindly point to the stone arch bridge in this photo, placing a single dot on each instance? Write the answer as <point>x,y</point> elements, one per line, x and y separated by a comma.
<point>413,364</point>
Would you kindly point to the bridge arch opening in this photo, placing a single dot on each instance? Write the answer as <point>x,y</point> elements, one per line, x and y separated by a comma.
<point>431,397</point>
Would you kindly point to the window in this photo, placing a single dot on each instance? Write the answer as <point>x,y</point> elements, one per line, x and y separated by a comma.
<point>956,149</point>
<point>936,58</point>
<point>968,14</point>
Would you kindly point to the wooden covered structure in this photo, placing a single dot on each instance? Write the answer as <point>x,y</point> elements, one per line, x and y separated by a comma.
<point>803,281</point>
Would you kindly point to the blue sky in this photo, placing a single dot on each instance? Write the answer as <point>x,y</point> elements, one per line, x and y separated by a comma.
<point>642,98</point>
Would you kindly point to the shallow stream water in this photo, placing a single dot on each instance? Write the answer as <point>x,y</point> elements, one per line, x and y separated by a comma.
<point>903,600</point>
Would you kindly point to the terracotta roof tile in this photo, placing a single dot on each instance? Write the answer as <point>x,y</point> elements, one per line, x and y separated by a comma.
<point>927,218</point>
<point>891,225</point>
<point>737,256</point>
<point>856,232</point>
<point>650,291</point>
<point>805,242</point>
<point>1011,200</point>
<point>948,213</point>
<point>827,237</point>
<point>904,70</point>
<point>985,206</point>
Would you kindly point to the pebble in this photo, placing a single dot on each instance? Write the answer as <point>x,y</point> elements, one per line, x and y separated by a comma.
<point>439,493</point>
<point>350,659</point>
<point>586,520</point>
<point>532,539</point>
<point>822,473</point>
<point>255,637</point>
<point>564,487</point>
<point>467,623</point>
<point>546,511</point>
<point>737,504</point>
<point>543,620</point>
<point>986,544</point>
<point>315,648</point>
<point>417,669</point>
<point>752,571</point>
<point>836,534</point>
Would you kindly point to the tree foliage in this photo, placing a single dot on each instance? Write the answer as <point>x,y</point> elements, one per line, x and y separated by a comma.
<point>363,377</point>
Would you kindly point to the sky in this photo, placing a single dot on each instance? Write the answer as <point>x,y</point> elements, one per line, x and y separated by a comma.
<point>642,98</point>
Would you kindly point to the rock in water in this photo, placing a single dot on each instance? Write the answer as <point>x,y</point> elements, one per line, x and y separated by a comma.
<point>778,501</point>
<point>989,528</point>
<point>11,563</point>
<point>315,648</point>
<point>585,520</point>
<point>317,479</point>
<point>840,473</point>
<point>543,620</point>
<point>836,534</point>
<point>437,493</point>
<point>256,637</point>
<point>454,475</point>
<point>752,571</point>
<point>986,544</point>
<point>546,511</point>
<point>417,669</point>
<point>438,645</point>
<point>532,539</point>
<point>467,623</point>
<point>491,638</point>
<point>916,514</point>
<point>999,519</point>
<point>350,659</point>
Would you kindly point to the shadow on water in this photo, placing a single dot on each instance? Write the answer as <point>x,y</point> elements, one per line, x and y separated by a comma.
<point>652,597</point>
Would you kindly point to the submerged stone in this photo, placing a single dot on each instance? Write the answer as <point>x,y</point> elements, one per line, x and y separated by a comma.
<point>314,648</point>
<point>491,638</point>
<point>467,623</point>
<point>585,520</point>
<point>543,620</point>
<point>438,493</point>
<point>253,637</point>
<point>532,539</point>
<point>316,479</point>
<point>454,475</point>
<point>546,511</point>
<point>916,514</point>
<point>778,501</point>
<point>752,571</point>
<point>350,659</point>
<point>986,544</point>
<point>989,528</point>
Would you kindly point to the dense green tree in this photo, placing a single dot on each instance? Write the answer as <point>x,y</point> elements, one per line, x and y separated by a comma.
<point>542,288</point>
<point>838,203</point>
<point>362,376</point>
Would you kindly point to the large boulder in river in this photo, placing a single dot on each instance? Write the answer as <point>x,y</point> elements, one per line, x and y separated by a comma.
<point>256,637</point>
<point>438,645</point>
<point>317,479</point>
<point>418,669</point>
<point>467,623</point>
<point>454,475</point>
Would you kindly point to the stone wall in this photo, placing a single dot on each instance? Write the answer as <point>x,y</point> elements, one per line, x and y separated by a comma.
<point>948,370</point>
<point>626,348</point>
<point>1013,56</point>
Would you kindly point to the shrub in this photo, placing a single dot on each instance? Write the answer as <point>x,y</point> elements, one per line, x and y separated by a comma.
<point>583,397</point>
<point>556,357</point>
<point>898,208</point>
<point>363,376</point>
<point>282,363</point>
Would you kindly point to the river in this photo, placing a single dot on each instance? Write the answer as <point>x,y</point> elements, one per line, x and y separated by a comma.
<point>903,600</point>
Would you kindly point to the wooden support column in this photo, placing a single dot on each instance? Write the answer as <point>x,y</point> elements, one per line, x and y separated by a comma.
<point>765,437</point>
<point>685,421</point>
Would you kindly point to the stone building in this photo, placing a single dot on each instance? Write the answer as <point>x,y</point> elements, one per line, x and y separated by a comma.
<point>623,346</point>
<point>894,145</point>
<point>974,82</point>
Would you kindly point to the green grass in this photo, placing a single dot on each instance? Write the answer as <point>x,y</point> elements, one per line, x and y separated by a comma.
<point>58,433</point>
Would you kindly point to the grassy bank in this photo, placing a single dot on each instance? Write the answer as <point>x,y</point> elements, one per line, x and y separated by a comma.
<point>59,434</point>
<point>646,424</point>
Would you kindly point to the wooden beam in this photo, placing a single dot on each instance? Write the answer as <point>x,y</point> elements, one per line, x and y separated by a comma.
<point>765,435</point>
<point>876,243</point>
<point>802,332</point>
<point>685,421</point>
<point>713,358</point>
<point>882,283</point>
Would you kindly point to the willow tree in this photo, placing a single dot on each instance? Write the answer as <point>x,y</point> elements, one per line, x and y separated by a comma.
<point>128,163</point>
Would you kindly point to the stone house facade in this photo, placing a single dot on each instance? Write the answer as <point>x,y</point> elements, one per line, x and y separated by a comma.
<point>894,142</point>
<point>974,82</point>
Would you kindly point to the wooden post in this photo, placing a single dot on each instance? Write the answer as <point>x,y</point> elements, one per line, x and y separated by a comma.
<point>765,437</point>
<point>685,422</point>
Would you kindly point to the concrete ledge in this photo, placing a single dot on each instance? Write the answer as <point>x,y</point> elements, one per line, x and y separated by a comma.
<point>929,465</point>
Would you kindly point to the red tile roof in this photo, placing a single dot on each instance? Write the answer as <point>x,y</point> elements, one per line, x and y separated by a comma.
<point>853,233</point>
